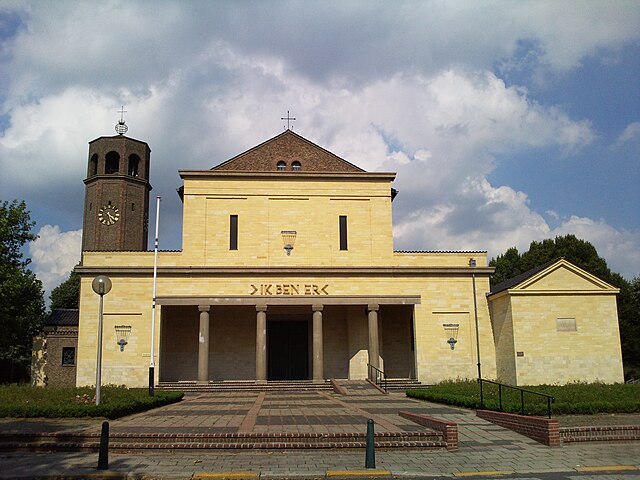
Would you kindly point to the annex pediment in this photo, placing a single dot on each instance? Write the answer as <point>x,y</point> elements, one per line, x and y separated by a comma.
<point>564,276</point>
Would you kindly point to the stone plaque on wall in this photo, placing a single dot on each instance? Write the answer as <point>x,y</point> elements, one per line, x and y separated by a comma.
<point>566,325</point>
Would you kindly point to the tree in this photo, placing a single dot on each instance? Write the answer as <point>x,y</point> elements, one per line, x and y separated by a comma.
<point>584,255</point>
<point>21,297</point>
<point>579,252</point>
<point>507,265</point>
<point>67,294</point>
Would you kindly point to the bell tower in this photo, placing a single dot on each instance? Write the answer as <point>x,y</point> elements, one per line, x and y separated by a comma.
<point>116,202</point>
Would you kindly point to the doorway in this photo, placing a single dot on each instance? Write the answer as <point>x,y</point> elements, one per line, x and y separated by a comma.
<point>288,349</point>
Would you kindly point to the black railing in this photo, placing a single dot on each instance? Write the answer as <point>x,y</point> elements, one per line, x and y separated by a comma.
<point>377,376</point>
<point>550,399</point>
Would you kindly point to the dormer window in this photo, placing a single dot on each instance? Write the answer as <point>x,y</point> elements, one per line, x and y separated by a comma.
<point>281,166</point>
<point>295,166</point>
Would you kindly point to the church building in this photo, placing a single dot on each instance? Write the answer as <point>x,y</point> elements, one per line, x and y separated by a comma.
<point>288,272</point>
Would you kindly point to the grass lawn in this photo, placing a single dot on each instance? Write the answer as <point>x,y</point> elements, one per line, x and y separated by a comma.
<point>572,399</point>
<point>25,401</point>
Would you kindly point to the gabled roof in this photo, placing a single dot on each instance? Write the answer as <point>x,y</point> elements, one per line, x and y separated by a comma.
<point>538,274</point>
<point>512,282</point>
<point>288,147</point>
<point>63,317</point>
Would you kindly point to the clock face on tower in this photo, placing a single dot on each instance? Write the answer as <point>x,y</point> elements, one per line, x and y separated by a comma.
<point>108,215</point>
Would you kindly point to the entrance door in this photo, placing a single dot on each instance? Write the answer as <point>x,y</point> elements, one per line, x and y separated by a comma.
<point>288,350</point>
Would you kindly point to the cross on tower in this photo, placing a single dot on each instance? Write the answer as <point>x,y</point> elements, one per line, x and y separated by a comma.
<point>121,127</point>
<point>288,118</point>
<point>122,111</point>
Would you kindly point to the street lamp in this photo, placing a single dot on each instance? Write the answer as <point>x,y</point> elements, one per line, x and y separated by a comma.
<point>101,285</point>
<point>472,264</point>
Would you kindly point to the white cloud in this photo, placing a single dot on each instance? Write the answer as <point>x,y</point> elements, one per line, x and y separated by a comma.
<point>618,247</point>
<point>630,133</point>
<point>405,87</point>
<point>54,254</point>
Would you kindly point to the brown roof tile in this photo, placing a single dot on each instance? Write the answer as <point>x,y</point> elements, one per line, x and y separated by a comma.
<point>288,147</point>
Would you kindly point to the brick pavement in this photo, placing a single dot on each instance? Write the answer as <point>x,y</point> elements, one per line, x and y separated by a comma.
<point>483,446</point>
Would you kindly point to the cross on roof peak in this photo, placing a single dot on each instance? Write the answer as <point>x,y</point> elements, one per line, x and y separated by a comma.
<point>288,118</point>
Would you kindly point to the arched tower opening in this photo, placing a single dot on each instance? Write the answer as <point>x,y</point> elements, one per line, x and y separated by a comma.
<point>134,165</point>
<point>112,163</point>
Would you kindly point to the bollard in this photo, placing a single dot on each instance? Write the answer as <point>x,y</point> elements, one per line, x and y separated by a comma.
<point>151,382</point>
<point>370,458</point>
<point>103,454</point>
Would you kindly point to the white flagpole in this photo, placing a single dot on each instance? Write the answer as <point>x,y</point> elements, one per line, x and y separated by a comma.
<point>153,305</point>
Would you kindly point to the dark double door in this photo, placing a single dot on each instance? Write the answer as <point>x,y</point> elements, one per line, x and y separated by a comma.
<point>288,350</point>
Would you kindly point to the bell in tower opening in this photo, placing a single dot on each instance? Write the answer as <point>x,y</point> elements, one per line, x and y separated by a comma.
<point>116,204</point>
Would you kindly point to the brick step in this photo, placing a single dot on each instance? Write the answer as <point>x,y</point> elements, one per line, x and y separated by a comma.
<point>403,384</point>
<point>151,441</point>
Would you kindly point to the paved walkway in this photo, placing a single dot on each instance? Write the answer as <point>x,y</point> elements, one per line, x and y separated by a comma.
<point>483,445</point>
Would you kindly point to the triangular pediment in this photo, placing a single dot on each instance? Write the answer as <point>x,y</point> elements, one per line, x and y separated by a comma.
<point>563,276</point>
<point>288,147</point>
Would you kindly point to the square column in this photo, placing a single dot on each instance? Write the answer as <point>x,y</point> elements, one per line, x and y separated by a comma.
<point>203,344</point>
<point>261,343</point>
<point>374,339</point>
<point>318,353</point>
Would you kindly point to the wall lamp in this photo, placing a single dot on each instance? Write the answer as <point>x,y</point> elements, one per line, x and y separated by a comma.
<point>288,238</point>
<point>451,331</point>
<point>122,335</point>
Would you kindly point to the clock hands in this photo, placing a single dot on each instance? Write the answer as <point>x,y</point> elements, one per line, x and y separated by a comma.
<point>108,215</point>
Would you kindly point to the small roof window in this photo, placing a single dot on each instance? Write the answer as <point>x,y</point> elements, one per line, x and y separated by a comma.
<point>281,166</point>
<point>295,166</point>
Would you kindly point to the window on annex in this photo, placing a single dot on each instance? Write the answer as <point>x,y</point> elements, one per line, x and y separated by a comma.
<point>281,166</point>
<point>68,355</point>
<point>295,166</point>
<point>343,232</point>
<point>233,232</point>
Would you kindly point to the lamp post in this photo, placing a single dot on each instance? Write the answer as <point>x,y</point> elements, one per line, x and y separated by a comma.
<point>472,264</point>
<point>101,285</point>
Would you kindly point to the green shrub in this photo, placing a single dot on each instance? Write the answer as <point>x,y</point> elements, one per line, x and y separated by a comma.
<point>27,401</point>
<point>577,398</point>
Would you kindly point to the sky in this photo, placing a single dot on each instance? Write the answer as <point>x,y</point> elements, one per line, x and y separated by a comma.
<point>506,121</point>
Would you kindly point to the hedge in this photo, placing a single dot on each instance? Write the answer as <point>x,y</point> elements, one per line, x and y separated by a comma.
<point>576,398</point>
<point>26,401</point>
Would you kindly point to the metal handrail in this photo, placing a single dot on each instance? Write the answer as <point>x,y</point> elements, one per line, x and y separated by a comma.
<point>377,376</point>
<point>550,399</point>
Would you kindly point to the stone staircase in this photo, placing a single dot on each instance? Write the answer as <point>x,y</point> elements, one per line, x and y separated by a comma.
<point>244,385</point>
<point>394,384</point>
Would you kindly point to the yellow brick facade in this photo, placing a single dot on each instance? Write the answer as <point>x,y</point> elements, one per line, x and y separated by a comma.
<point>403,299</point>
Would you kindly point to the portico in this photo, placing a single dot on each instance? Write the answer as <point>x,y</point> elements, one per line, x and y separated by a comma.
<point>288,337</point>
